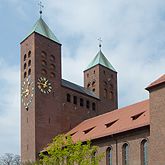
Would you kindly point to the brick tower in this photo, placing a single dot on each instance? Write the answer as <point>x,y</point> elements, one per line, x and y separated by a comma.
<point>101,78</point>
<point>51,105</point>
<point>40,81</point>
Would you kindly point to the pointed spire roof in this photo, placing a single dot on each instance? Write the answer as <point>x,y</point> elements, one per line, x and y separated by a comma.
<point>102,60</point>
<point>42,28</point>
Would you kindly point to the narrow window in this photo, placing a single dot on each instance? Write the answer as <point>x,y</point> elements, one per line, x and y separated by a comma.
<point>29,72</point>
<point>29,54</point>
<point>25,74</point>
<point>29,63</point>
<point>144,152</point>
<point>109,156</point>
<point>88,85</point>
<point>74,99</point>
<point>105,93</point>
<point>111,95</point>
<point>93,106</point>
<point>52,67</point>
<point>87,75</point>
<point>81,102</point>
<point>87,104</point>
<point>43,72</point>
<point>105,83</point>
<point>111,86</point>
<point>24,65</point>
<point>125,154</point>
<point>44,63</point>
<point>94,71</point>
<point>93,83</point>
<point>52,75</point>
<point>52,58</point>
<point>93,90</point>
<point>43,55</point>
<point>25,57</point>
<point>68,97</point>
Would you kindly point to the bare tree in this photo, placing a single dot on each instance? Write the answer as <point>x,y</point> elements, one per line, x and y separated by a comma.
<point>10,159</point>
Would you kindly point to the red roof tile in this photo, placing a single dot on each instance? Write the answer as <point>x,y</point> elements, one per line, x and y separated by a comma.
<point>157,82</point>
<point>117,121</point>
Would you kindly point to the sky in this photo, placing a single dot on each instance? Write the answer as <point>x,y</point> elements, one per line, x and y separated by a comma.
<point>133,34</point>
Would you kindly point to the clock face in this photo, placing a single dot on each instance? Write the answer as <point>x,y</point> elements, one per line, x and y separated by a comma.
<point>27,92</point>
<point>44,85</point>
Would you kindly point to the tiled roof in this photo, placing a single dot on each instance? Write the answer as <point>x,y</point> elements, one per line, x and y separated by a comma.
<point>42,28</point>
<point>157,82</point>
<point>117,121</point>
<point>102,60</point>
<point>78,88</point>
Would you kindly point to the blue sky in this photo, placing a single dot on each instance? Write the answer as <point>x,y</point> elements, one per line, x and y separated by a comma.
<point>133,34</point>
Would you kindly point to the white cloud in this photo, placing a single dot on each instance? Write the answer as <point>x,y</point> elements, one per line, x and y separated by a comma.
<point>9,108</point>
<point>133,40</point>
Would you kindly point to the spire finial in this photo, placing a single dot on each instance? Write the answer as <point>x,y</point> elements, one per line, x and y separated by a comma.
<point>41,6</point>
<point>100,41</point>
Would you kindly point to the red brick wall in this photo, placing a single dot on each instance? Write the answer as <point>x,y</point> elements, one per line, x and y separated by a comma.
<point>157,126</point>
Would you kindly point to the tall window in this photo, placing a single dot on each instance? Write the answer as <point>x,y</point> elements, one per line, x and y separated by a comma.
<point>109,156</point>
<point>81,102</point>
<point>74,99</point>
<point>125,154</point>
<point>144,152</point>
<point>68,97</point>
<point>105,93</point>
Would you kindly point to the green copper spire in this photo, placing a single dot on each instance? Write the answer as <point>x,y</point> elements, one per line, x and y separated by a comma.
<point>42,28</point>
<point>102,60</point>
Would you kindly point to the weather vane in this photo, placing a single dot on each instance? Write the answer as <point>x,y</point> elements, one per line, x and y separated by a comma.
<point>100,41</point>
<point>41,6</point>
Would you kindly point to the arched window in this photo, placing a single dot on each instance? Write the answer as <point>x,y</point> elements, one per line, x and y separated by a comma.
<point>43,55</point>
<point>52,75</point>
<point>52,58</point>
<point>29,63</point>
<point>24,57</point>
<point>24,65</point>
<point>125,154</point>
<point>52,67</point>
<point>109,156</point>
<point>43,72</point>
<point>44,63</point>
<point>144,152</point>
<point>29,54</point>
<point>93,83</point>
<point>29,72</point>
<point>25,74</point>
<point>68,97</point>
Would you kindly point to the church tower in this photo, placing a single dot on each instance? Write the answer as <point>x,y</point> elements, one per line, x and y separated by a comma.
<point>40,81</point>
<point>100,77</point>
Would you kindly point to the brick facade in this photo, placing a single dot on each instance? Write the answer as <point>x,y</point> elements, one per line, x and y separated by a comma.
<point>68,104</point>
